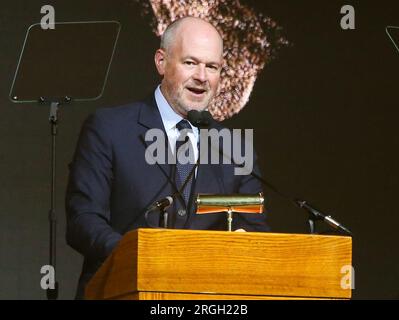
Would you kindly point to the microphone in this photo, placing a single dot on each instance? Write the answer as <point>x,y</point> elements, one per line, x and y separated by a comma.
<point>199,119</point>
<point>161,204</point>
<point>317,215</point>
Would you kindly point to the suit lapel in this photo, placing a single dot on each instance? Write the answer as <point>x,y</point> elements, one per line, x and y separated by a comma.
<point>150,118</point>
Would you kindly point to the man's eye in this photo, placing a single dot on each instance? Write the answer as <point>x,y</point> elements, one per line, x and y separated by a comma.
<point>189,63</point>
<point>213,68</point>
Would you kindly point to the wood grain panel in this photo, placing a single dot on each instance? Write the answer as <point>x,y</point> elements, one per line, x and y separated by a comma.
<point>219,262</point>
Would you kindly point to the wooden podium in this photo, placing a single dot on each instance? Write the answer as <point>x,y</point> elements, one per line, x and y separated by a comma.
<point>185,264</point>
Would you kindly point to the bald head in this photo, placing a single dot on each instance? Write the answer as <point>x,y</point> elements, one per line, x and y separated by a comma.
<point>187,26</point>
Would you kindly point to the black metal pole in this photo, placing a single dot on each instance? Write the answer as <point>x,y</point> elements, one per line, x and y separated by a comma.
<point>52,294</point>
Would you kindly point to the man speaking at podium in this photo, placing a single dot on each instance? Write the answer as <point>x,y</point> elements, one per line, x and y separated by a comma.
<point>111,185</point>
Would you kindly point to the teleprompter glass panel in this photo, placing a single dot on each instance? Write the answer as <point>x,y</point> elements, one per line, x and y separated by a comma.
<point>71,60</point>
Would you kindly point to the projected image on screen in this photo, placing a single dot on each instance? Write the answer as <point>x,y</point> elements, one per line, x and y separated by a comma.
<point>251,40</point>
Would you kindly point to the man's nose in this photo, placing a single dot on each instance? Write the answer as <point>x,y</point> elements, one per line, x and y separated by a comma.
<point>200,73</point>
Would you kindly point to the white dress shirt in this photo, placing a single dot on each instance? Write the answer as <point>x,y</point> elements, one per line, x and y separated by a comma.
<point>170,119</point>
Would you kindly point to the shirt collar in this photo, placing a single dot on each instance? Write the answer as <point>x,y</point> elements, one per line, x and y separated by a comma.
<point>169,117</point>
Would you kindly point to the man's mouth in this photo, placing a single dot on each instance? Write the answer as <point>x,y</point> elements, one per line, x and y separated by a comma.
<point>196,91</point>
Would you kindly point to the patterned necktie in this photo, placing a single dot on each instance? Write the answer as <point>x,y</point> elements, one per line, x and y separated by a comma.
<point>185,160</point>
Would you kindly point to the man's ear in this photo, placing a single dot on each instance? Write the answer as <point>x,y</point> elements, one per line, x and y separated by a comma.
<point>160,61</point>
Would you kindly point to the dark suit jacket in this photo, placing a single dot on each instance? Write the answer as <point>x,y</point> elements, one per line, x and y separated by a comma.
<point>111,185</point>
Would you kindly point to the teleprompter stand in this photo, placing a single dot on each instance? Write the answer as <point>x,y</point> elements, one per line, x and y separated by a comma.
<point>60,66</point>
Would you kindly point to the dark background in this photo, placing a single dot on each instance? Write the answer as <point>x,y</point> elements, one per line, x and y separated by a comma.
<point>324,115</point>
